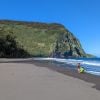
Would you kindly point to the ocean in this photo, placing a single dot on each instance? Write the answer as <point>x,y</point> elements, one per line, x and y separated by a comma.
<point>91,65</point>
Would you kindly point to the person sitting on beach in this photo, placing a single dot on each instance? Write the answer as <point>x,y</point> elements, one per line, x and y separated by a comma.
<point>80,69</point>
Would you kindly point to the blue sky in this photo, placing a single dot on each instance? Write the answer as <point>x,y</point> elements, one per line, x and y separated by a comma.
<point>81,17</point>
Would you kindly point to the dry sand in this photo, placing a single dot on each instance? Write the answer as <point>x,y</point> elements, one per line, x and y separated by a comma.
<point>24,81</point>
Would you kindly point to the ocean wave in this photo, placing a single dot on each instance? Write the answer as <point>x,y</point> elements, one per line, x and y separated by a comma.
<point>91,63</point>
<point>94,72</point>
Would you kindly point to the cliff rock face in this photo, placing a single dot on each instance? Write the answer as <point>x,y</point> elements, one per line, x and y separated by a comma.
<point>41,39</point>
<point>68,45</point>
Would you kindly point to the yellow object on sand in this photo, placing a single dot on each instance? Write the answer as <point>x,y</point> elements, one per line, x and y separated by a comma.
<point>81,70</point>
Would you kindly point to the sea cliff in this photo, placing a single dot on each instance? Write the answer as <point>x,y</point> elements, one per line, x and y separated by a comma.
<point>25,39</point>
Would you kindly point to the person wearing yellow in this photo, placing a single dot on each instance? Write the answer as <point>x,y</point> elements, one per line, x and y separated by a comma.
<point>80,69</point>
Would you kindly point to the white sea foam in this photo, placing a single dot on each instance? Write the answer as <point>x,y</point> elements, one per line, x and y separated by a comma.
<point>68,61</point>
<point>92,63</point>
<point>71,61</point>
<point>93,72</point>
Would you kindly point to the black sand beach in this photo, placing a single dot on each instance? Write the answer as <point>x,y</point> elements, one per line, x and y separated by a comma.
<point>59,68</point>
<point>69,72</point>
<point>26,79</point>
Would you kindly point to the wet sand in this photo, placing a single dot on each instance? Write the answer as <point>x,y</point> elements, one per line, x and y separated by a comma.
<point>32,80</point>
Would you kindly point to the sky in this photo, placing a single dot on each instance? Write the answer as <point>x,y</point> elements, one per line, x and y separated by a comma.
<point>81,17</point>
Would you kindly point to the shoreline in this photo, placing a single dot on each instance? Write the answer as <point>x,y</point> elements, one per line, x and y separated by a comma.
<point>72,73</point>
<point>27,79</point>
<point>63,70</point>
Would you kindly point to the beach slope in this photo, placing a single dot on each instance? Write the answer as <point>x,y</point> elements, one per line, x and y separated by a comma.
<point>24,81</point>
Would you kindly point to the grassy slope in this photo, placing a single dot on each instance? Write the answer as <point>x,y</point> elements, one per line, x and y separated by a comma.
<point>35,38</point>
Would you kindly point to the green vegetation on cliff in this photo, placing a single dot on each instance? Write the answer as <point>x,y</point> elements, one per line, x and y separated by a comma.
<point>25,39</point>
